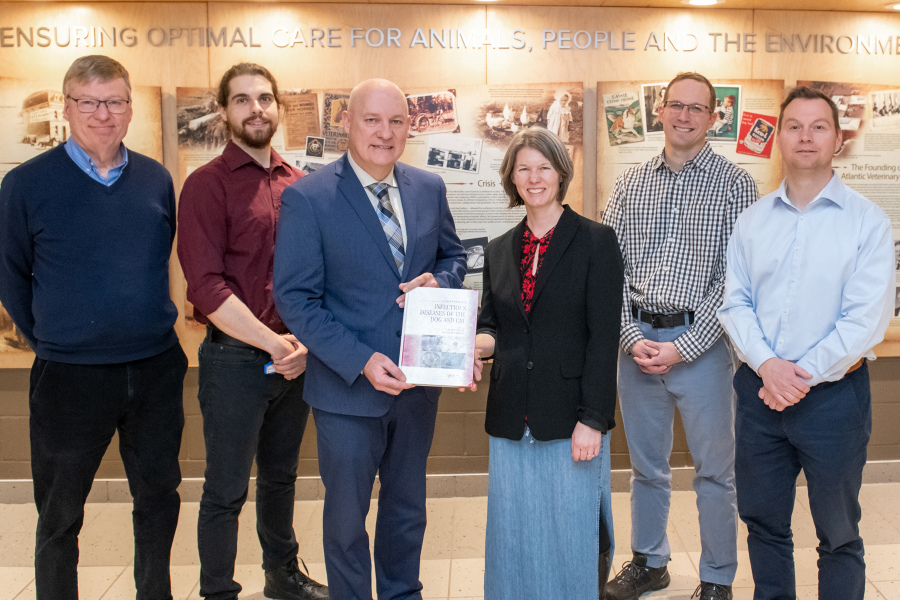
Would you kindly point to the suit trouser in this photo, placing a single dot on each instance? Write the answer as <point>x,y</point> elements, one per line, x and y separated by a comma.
<point>75,410</point>
<point>826,434</point>
<point>701,390</point>
<point>351,450</point>
<point>246,414</point>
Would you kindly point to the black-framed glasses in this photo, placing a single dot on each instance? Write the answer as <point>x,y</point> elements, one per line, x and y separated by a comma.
<point>90,105</point>
<point>694,109</point>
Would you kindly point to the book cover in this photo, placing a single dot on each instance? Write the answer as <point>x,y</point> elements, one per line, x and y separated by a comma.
<point>437,346</point>
<point>623,116</point>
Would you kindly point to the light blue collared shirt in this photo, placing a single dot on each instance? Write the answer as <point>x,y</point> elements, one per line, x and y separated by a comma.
<point>812,286</point>
<point>86,164</point>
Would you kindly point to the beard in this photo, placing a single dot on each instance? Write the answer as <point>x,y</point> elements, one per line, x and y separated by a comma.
<point>258,138</point>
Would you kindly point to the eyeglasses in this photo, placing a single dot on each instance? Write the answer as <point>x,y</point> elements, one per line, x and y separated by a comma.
<point>694,109</point>
<point>89,105</point>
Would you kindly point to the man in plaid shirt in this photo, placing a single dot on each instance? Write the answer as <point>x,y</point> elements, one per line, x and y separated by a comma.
<point>673,217</point>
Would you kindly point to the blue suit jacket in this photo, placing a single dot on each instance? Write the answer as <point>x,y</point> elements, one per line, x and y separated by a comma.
<point>336,283</point>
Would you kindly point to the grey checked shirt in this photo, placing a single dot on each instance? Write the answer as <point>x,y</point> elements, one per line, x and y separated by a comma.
<point>673,230</point>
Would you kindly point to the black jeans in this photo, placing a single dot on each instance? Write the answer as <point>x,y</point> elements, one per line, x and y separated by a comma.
<point>826,435</point>
<point>246,413</point>
<point>75,410</point>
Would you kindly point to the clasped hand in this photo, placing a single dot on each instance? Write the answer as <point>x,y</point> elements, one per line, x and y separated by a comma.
<point>292,362</point>
<point>655,358</point>
<point>783,383</point>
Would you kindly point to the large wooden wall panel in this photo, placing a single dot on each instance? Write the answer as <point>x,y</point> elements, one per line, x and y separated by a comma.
<point>344,66</point>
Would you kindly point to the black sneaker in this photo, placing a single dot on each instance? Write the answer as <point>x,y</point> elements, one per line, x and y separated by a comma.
<point>288,582</point>
<point>712,591</point>
<point>636,579</point>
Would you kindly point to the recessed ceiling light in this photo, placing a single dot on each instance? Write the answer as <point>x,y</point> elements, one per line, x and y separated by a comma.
<point>892,6</point>
<point>702,2</point>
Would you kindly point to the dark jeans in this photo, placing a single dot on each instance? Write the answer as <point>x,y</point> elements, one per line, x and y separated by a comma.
<point>75,410</point>
<point>246,413</point>
<point>826,435</point>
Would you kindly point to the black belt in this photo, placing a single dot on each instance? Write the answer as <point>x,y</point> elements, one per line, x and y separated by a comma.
<point>662,320</point>
<point>217,336</point>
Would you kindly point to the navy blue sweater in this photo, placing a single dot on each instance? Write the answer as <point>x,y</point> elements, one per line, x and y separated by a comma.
<point>84,268</point>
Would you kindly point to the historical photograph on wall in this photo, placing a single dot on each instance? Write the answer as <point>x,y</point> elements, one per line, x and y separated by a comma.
<point>432,113</point>
<point>653,95</point>
<point>885,108</point>
<point>734,99</point>
<point>32,114</point>
<point>869,157</point>
<point>487,118</point>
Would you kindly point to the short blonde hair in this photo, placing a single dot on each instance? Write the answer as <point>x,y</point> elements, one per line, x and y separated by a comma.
<point>95,66</point>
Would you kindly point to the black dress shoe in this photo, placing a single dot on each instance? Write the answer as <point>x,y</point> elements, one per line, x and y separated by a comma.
<point>288,582</point>
<point>636,579</point>
<point>712,591</point>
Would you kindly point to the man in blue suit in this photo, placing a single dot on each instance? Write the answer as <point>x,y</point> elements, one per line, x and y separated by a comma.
<point>353,238</point>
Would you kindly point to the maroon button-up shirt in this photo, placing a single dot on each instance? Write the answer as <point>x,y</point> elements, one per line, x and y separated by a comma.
<point>227,218</point>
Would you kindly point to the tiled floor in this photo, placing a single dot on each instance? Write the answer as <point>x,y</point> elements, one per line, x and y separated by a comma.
<point>453,557</point>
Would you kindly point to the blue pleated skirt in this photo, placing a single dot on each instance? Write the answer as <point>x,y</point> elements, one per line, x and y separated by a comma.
<point>544,514</point>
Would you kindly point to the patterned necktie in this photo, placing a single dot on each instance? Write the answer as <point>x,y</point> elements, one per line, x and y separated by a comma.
<point>389,222</point>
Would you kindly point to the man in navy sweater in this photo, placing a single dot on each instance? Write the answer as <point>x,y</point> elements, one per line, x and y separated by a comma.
<point>86,231</point>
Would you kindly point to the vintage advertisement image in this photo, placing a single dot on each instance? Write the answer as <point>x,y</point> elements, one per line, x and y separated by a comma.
<point>432,113</point>
<point>624,119</point>
<point>757,134</point>
<point>332,122</point>
<point>300,120</point>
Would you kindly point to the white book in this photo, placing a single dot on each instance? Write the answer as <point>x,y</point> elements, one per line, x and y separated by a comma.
<point>437,346</point>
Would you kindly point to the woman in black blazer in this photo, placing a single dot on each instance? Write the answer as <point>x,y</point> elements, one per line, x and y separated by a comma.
<point>550,316</point>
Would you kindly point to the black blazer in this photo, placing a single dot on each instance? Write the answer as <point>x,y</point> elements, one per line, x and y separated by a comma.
<point>556,365</point>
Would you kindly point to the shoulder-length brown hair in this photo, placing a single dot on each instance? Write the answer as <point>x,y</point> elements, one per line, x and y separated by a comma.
<point>550,146</point>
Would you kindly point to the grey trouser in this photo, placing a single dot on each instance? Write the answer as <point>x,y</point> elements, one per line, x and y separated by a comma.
<point>702,392</point>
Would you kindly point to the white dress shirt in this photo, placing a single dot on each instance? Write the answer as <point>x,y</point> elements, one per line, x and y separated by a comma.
<point>393,193</point>
<point>812,286</point>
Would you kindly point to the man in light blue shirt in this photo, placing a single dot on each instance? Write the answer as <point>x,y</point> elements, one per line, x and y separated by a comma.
<point>808,294</point>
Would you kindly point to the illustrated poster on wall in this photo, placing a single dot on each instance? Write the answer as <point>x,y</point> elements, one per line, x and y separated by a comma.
<point>757,134</point>
<point>869,157</point>
<point>624,119</point>
<point>32,114</point>
<point>733,99</point>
